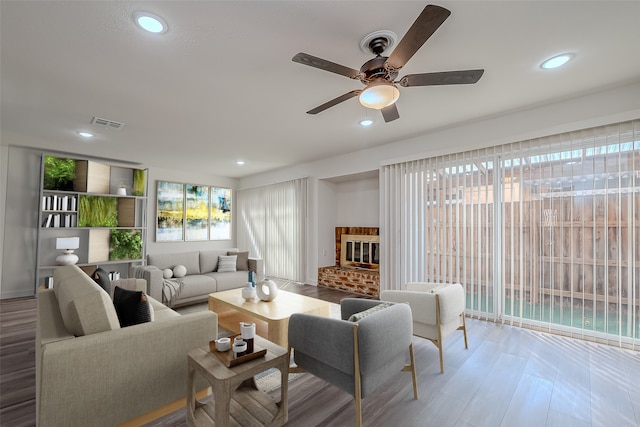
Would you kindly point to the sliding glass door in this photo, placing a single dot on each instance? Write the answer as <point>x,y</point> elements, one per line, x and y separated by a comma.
<point>542,233</point>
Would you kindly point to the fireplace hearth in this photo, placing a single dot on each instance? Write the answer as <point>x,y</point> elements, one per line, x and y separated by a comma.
<point>357,262</point>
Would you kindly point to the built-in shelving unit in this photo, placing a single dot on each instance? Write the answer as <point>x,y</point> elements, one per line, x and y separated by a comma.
<point>104,205</point>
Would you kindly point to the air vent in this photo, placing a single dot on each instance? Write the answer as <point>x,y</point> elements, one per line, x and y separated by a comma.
<point>106,123</point>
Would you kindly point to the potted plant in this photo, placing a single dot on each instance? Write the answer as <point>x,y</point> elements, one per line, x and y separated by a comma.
<point>125,244</point>
<point>59,173</point>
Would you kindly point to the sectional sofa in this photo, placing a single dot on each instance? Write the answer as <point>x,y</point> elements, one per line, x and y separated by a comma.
<point>202,275</point>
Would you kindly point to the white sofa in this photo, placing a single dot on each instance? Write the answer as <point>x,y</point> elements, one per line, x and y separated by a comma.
<point>91,372</point>
<point>202,276</point>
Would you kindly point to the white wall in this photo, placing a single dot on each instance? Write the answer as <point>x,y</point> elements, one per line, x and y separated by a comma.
<point>21,196</point>
<point>327,221</point>
<point>358,203</point>
<point>594,109</point>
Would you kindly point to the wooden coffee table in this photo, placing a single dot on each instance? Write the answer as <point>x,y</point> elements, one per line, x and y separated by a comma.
<point>271,318</point>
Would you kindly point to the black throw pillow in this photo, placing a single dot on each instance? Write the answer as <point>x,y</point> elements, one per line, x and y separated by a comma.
<point>132,307</point>
<point>101,277</point>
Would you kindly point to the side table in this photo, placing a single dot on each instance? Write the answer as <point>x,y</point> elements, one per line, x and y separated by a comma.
<point>234,392</point>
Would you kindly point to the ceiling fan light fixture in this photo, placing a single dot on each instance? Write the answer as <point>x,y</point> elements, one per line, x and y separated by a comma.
<point>379,95</point>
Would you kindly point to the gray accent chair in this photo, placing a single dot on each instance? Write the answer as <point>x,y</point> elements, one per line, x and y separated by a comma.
<point>437,309</point>
<point>357,357</point>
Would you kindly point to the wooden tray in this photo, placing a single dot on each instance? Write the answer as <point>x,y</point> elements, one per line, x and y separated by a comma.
<point>227,356</point>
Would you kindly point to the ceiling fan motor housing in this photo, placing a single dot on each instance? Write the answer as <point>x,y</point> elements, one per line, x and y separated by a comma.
<point>375,69</point>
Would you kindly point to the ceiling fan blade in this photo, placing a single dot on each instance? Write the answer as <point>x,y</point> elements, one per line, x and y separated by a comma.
<point>390,113</point>
<point>335,101</point>
<point>323,64</point>
<point>424,26</point>
<point>465,77</point>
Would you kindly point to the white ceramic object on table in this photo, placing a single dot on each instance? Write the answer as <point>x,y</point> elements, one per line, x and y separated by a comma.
<point>223,344</point>
<point>267,290</point>
<point>249,292</point>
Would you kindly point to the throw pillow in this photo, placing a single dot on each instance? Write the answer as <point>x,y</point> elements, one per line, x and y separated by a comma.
<point>227,263</point>
<point>179,271</point>
<point>167,273</point>
<point>242,263</point>
<point>101,277</point>
<point>356,317</point>
<point>132,307</point>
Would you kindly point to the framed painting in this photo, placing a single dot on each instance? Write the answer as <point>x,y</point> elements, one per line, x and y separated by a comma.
<point>220,217</point>
<point>197,212</point>
<point>170,212</point>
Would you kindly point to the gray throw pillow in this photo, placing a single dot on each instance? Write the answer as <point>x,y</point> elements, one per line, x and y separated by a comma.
<point>242,262</point>
<point>356,317</point>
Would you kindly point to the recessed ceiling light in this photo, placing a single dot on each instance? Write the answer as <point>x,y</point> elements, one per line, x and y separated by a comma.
<point>150,22</point>
<point>240,162</point>
<point>366,122</point>
<point>557,61</point>
<point>85,134</point>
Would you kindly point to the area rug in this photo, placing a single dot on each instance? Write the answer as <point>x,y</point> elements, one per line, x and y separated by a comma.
<point>267,381</point>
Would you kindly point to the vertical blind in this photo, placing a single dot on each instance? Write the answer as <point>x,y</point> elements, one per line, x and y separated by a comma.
<point>542,233</point>
<point>272,226</point>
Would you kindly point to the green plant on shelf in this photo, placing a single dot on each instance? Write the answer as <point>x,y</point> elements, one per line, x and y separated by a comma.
<point>139,182</point>
<point>125,244</point>
<point>59,173</point>
<point>97,211</point>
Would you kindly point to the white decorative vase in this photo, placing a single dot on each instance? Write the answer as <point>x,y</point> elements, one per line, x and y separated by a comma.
<point>267,290</point>
<point>68,258</point>
<point>249,292</point>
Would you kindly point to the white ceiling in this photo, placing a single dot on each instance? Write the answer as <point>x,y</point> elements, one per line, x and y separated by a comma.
<point>220,84</point>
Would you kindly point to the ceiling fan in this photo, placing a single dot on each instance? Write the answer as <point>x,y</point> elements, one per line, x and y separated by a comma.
<point>379,73</point>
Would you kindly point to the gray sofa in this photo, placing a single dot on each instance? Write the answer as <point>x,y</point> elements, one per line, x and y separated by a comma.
<point>92,372</point>
<point>202,276</point>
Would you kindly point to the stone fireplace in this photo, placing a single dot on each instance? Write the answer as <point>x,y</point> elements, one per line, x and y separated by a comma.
<point>357,261</point>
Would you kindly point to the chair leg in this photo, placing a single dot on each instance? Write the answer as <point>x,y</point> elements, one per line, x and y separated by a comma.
<point>413,371</point>
<point>439,327</point>
<point>439,344</point>
<point>358,402</point>
<point>464,329</point>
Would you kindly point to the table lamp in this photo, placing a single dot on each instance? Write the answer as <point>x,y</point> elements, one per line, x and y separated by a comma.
<point>68,244</point>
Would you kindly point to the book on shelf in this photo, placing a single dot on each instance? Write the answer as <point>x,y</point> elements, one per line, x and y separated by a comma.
<point>59,203</point>
<point>59,220</point>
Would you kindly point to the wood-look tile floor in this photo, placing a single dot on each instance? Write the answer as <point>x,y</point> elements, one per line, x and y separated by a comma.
<point>508,377</point>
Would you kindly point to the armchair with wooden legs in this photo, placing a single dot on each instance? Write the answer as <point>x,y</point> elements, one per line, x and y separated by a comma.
<point>437,309</point>
<point>357,356</point>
